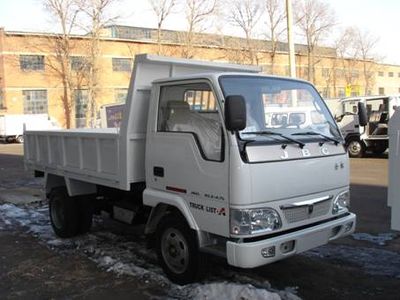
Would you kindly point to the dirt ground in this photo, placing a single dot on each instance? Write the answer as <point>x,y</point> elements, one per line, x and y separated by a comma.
<point>356,267</point>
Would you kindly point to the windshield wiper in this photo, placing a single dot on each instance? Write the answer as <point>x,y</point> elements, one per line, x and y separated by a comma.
<point>301,144</point>
<point>328,138</point>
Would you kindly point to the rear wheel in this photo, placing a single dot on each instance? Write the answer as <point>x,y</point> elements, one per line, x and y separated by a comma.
<point>69,216</point>
<point>356,148</point>
<point>177,250</point>
<point>85,215</point>
<point>380,148</point>
<point>20,139</point>
<point>64,213</point>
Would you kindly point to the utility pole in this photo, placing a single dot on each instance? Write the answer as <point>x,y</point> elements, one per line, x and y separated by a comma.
<point>292,58</point>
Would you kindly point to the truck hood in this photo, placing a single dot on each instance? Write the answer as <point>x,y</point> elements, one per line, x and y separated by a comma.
<point>284,179</point>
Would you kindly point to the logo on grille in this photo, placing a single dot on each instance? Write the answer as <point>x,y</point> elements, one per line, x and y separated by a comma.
<point>310,209</point>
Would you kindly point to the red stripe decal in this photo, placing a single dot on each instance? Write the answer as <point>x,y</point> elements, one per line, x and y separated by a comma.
<point>175,189</point>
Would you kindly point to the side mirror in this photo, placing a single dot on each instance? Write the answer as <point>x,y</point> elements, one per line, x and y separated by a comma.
<point>362,114</point>
<point>235,113</point>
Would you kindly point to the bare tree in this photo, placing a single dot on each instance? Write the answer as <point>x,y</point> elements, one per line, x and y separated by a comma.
<point>348,52</point>
<point>65,13</point>
<point>2,105</point>
<point>338,69</point>
<point>162,9</point>
<point>314,20</point>
<point>366,43</point>
<point>196,12</point>
<point>97,17</point>
<point>245,14</point>
<point>276,15</point>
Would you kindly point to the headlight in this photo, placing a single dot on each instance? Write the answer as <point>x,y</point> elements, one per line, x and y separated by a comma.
<point>251,221</point>
<point>341,203</point>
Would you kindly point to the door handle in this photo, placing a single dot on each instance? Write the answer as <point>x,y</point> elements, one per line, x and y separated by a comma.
<point>158,171</point>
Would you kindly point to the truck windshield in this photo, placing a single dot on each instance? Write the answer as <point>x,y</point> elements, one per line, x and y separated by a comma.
<point>281,107</point>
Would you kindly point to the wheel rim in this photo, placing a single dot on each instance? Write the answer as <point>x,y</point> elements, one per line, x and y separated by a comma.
<point>354,147</point>
<point>56,213</point>
<point>175,250</point>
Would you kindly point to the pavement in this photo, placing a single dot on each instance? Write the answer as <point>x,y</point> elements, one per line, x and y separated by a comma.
<point>113,261</point>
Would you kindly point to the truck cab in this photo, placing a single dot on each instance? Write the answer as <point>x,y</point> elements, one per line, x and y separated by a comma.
<point>374,135</point>
<point>197,150</point>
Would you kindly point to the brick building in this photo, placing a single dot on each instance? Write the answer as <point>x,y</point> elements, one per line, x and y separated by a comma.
<point>30,82</point>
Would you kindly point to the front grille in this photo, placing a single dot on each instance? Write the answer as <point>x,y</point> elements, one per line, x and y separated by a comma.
<point>305,212</point>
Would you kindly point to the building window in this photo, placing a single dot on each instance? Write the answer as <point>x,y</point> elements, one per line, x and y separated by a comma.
<point>340,72</point>
<point>398,74</point>
<point>341,92</point>
<point>399,90</point>
<point>381,91</point>
<point>31,62</point>
<point>81,102</point>
<point>380,74</point>
<point>304,72</point>
<point>202,101</point>
<point>287,70</point>
<point>2,104</point>
<point>355,74</point>
<point>35,101</point>
<point>391,74</point>
<point>122,64</point>
<point>325,93</point>
<point>78,63</point>
<point>325,72</point>
<point>120,95</point>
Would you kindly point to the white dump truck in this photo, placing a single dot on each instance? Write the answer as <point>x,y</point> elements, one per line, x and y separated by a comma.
<point>11,126</point>
<point>196,161</point>
<point>371,135</point>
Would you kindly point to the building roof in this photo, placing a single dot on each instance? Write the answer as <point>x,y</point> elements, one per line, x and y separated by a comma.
<point>209,39</point>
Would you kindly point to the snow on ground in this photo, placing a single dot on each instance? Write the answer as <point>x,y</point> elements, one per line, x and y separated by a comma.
<point>125,253</point>
<point>379,239</point>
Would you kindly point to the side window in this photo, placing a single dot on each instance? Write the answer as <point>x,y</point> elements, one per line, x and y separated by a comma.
<point>191,108</point>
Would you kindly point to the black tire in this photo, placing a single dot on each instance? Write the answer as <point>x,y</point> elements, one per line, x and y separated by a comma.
<point>64,213</point>
<point>85,215</point>
<point>19,139</point>
<point>182,262</point>
<point>355,148</point>
<point>379,148</point>
<point>9,140</point>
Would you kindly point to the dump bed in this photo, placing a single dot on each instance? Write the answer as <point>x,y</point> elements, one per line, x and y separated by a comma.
<point>91,156</point>
<point>111,156</point>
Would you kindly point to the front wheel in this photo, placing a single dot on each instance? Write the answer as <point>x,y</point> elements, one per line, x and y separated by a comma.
<point>9,139</point>
<point>177,250</point>
<point>20,139</point>
<point>356,148</point>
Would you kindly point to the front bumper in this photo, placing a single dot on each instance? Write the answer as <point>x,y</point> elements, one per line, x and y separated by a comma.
<point>249,255</point>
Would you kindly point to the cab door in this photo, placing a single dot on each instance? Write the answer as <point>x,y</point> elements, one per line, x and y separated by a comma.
<point>186,157</point>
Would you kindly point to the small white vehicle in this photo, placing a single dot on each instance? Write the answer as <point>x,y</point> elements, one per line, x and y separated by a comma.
<point>374,134</point>
<point>12,126</point>
<point>196,160</point>
<point>295,117</point>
